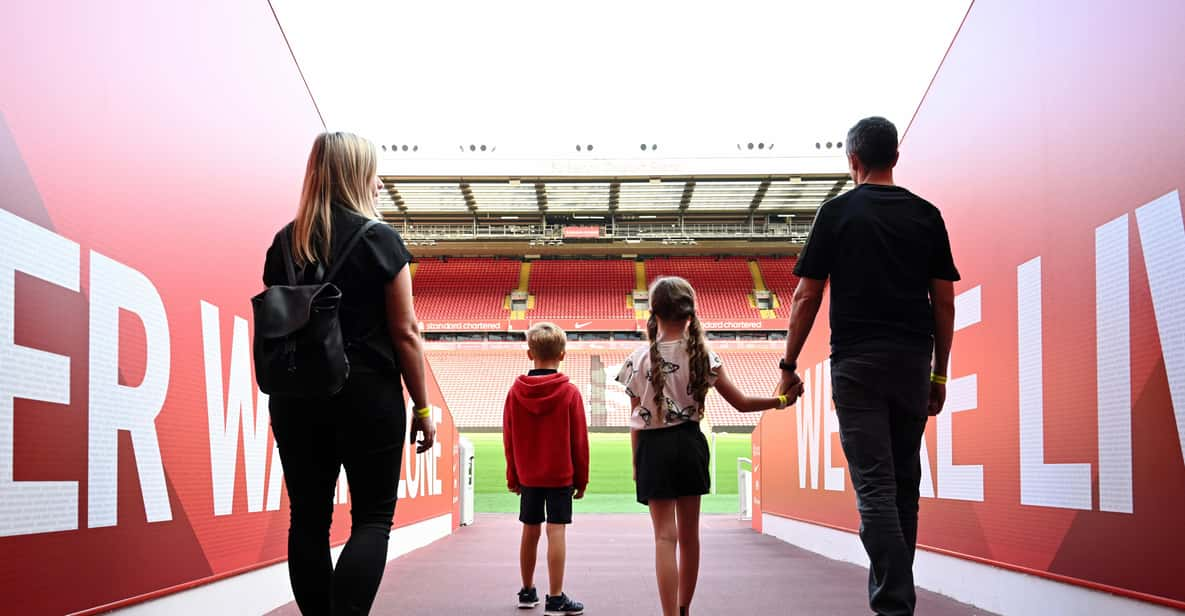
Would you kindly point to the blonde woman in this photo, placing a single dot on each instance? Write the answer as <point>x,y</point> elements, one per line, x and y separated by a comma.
<point>361,427</point>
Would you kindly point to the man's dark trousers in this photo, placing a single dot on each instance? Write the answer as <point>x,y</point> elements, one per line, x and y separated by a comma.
<point>881,400</point>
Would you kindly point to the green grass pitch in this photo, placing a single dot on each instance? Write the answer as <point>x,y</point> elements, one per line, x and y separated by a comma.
<point>610,484</point>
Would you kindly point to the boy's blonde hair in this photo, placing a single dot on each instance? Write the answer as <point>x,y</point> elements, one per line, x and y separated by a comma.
<point>546,341</point>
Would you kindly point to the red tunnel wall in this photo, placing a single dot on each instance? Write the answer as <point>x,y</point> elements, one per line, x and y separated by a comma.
<point>1051,130</point>
<point>169,139</point>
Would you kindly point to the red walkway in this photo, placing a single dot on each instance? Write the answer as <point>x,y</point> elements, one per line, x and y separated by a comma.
<point>610,569</point>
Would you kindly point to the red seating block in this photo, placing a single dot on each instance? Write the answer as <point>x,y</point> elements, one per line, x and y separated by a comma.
<point>722,286</point>
<point>582,289</point>
<point>462,289</point>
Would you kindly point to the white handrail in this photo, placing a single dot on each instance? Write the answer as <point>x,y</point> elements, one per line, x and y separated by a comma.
<point>745,489</point>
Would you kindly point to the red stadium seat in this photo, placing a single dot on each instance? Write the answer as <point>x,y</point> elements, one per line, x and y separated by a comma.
<point>463,289</point>
<point>722,286</point>
<point>582,289</point>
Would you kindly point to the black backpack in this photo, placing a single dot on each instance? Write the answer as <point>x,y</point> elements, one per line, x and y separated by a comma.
<point>298,344</point>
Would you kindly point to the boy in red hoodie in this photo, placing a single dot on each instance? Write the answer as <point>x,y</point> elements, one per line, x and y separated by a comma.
<point>545,435</point>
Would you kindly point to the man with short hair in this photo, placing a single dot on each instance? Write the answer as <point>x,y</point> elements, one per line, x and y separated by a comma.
<point>888,257</point>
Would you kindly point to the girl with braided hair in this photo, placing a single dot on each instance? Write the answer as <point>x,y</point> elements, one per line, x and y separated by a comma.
<point>667,382</point>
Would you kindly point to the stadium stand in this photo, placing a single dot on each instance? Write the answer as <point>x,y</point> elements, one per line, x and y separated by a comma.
<point>723,286</point>
<point>755,373</point>
<point>779,277</point>
<point>583,289</point>
<point>473,288</point>
<point>476,399</point>
<point>464,288</point>
<point>477,402</point>
<point>613,401</point>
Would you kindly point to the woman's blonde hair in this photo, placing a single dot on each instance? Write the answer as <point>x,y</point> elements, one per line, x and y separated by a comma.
<point>673,299</point>
<point>341,169</point>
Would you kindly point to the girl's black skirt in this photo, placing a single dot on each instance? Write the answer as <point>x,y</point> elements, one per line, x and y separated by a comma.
<point>672,462</point>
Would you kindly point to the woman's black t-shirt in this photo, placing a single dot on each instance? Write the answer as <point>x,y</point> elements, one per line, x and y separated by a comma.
<point>375,260</point>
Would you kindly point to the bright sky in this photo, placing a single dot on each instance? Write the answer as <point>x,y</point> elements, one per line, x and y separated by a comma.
<point>537,77</point>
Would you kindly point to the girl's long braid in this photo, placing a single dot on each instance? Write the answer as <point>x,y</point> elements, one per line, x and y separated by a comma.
<point>697,351</point>
<point>658,378</point>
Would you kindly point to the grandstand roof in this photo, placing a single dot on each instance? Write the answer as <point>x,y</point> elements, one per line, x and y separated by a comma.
<point>697,194</point>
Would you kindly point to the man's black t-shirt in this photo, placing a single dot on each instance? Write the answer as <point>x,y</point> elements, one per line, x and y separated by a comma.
<point>880,246</point>
<point>375,260</point>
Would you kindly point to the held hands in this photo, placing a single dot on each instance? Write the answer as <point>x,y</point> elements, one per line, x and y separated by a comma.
<point>791,386</point>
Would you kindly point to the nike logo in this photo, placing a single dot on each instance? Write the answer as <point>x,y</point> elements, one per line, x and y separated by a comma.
<point>583,325</point>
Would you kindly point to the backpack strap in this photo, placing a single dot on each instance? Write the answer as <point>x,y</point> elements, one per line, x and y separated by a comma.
<point>353,241</point>
<point>286,253</point>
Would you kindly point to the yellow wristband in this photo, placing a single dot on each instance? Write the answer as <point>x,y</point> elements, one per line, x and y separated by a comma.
<point>783,401</point>
<point>938,378</point>
<point>423,413</point>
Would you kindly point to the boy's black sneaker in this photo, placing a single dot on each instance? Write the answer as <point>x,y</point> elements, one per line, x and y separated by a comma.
<point>562,606</point>
<point>528,598</point>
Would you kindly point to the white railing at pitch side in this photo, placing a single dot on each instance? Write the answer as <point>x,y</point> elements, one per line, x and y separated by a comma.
<point>745,488</point>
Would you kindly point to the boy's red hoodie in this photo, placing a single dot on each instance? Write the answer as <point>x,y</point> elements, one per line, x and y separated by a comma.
<point>545,433</point>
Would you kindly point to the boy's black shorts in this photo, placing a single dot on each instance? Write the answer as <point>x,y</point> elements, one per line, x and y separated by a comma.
<point>558,501</point>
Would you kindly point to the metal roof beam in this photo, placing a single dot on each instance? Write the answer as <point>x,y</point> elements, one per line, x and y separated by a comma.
<point>396,198</point>
<point>470,200</point>
<point>759,195</point>
<point>834,192</point>
<point>685,200</point>
<point>541,196</point>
